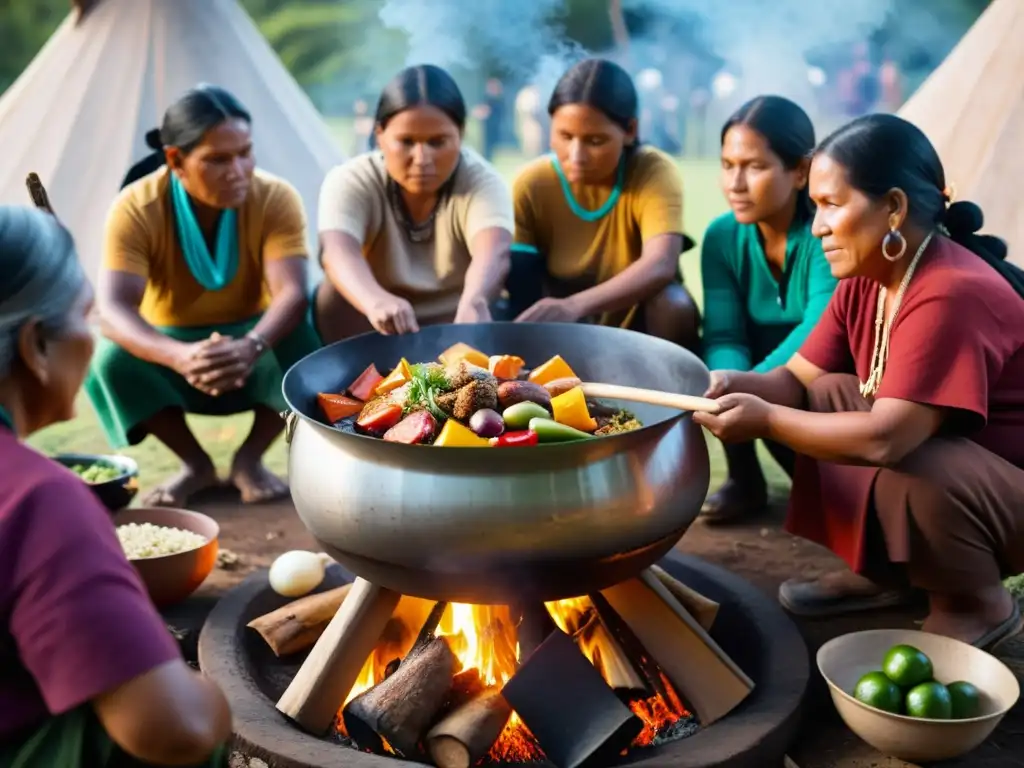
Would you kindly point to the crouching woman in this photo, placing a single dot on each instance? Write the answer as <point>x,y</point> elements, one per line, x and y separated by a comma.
<point>905,404</point>
<point>202,298</point>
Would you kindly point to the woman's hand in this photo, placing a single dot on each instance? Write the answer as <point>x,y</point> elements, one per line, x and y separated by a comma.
<point>721,384</point>
<point>742,418</point>
<point>218,364</point>
<point>550,311</point>
<point>473,312</point>
<point>391,315</point>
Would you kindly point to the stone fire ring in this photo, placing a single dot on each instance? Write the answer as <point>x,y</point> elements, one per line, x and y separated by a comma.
<point>750,627</point>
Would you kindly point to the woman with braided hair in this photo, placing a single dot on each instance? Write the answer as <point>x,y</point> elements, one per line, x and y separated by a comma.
<point>202,297</point>
<point>905,405</point>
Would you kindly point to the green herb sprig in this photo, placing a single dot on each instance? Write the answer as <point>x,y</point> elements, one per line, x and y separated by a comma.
<point>427,382</point>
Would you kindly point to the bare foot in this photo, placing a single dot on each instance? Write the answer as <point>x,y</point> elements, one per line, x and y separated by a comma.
<point>255,482</point>
<point>977,620</point>
<point>735,502</point>
<point>177,491</point>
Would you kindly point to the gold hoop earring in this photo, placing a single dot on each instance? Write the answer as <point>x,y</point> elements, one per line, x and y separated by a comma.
<point>891,236</point>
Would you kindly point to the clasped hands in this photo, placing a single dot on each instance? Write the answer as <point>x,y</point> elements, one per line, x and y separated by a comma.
<point>218,364</point>
<point>741,417</point>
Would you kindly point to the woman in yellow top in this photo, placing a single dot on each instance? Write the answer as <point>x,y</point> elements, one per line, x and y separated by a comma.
<point>419,232</point>
<point>202,298</point>
<point>599,223</point>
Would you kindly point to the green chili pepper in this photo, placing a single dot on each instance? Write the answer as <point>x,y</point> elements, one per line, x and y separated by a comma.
<point>518,416</point>
<point>550,431</point>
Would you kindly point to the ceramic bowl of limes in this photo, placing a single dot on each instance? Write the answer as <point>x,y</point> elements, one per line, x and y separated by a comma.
<point>113,479</point>
<point>916,696</point>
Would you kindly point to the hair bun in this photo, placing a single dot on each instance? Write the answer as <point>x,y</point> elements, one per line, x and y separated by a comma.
<point>153,140</point>
<point>963,218</point>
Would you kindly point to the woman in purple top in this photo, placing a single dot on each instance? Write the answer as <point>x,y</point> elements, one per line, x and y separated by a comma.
<point>89,674</point>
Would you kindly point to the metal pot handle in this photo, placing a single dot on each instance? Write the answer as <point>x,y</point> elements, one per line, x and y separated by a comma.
<point>291,419</point>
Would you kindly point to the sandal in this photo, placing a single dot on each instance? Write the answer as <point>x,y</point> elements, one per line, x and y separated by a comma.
<point>1005,631</point>
<point>838,594</point>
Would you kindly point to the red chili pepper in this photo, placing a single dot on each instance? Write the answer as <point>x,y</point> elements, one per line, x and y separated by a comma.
<point>514,439</point>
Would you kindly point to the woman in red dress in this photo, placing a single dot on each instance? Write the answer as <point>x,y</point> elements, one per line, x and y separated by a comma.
<point>906,403</point>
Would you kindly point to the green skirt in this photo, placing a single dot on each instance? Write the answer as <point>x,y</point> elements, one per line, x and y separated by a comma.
<point>126,391</point>
<point>76,739</point>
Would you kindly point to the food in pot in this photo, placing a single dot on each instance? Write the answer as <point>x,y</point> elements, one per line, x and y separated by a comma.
<point>487,423</point>
<point>512,392</point>
<point>470,399</point>
<point>518,416</point>
<point>142,540</point>
<point>97,472</point>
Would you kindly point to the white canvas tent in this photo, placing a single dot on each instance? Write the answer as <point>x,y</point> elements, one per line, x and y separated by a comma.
<point>972,108</point>
<point>79,113</point>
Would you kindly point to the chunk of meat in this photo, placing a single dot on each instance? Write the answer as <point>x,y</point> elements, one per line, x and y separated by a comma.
<point>460,374</point>
<point>362,388</point>
<point>414,429</point>
<point>469,399</point>
<point>379,416</point>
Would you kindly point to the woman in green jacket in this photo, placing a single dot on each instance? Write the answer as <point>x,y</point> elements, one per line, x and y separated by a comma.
<point>766,280</point>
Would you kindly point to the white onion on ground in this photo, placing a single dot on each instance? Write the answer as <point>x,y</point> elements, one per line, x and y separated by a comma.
<point>296,573</point>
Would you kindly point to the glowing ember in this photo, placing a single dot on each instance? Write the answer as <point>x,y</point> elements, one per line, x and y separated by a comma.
<point>483,639</point>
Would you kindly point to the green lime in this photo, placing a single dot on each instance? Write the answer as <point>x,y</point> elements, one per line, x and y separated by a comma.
<point>930,701</point>
<point>966,700</point>
<point>906,666</point>
<point>878,691</point>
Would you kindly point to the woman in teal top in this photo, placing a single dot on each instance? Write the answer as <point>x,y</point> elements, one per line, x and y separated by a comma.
<point>766,280</point>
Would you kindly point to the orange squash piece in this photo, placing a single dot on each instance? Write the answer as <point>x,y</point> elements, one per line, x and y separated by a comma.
<point>555,368</point>
<point>338,407</point>
<point>362,388</point>
<point>460,351</point>
<point>505,366</point>
<point>399,376</point>
<point>570,408</point>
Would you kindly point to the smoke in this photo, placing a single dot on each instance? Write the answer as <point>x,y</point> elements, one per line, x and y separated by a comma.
<point>765,43</point>
<point>521,37</point>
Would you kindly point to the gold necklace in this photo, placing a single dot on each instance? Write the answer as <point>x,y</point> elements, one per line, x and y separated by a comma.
<point>880,354</point>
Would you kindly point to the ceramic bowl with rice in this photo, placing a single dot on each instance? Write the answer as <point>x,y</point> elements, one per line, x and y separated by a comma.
<point>173,550</point>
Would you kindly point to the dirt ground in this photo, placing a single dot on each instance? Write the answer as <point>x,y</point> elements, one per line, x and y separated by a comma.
<point>761,553</point>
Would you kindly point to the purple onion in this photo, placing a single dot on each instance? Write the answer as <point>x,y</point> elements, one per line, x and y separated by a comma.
<point>487,423</point>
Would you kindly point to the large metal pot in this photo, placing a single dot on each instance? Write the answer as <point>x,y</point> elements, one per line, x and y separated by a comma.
<point>496,526</point>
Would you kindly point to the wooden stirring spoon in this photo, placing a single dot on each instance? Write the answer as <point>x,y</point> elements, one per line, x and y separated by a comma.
<point>650,397</point>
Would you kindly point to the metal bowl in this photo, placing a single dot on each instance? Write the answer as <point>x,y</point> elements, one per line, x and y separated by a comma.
<point>116,493</point>
<point>498,526</point>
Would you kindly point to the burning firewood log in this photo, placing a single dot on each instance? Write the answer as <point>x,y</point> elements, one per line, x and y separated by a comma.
<point>534,626</point>
<point>297,625</point>
<point>704,610</point>
<point>468,732</point>
<point>326,676</point>
<point>401,709</point>
<point>706,678</point>
<point>579,618</point>
<point>570,709</point>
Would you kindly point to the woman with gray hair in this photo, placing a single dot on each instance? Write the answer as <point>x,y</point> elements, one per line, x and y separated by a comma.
<point>91,676</point>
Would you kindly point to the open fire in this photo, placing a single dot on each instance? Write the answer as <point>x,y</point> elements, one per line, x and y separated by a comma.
<point>575,682</point>
<point>485,644</point>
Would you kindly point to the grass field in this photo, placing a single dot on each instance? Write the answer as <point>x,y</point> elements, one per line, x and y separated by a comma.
<point>221,436</point>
